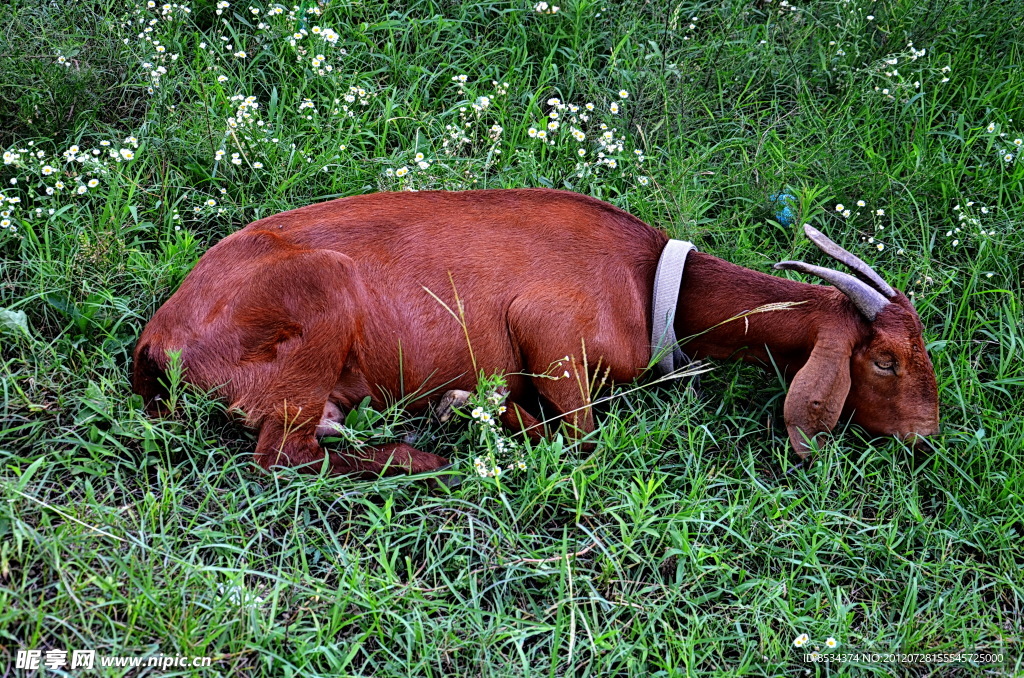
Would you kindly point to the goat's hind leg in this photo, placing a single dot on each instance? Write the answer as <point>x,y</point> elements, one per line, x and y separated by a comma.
<point>374,461</point>
<point>279,448</point>
<point>288,438</point>
<point>299,323</point>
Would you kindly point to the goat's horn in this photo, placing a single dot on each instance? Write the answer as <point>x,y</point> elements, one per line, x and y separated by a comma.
<point>859,268</point>
<point>867,299</point>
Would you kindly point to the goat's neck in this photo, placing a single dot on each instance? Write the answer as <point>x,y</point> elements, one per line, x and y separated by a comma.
<point>713,291</point>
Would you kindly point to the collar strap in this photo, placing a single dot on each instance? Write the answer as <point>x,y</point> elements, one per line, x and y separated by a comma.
<point>664,347</point>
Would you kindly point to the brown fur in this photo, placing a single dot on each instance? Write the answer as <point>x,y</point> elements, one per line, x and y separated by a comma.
<point>299,316</point>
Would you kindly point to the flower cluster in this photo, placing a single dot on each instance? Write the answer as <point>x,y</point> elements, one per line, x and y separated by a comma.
<point>244,130</point>
<point>876,213</point>
<point>894,85</point>
<point>157,57</point>
<point>355,94</point>
<point>598,145</point>
<point>249,140</point>
<point>278,24</point>
<point>472,131</point>
<point>327,34</point>
<point>969,226</point>
<point>7,206</point>
<point>499,451</point>
<point>244,113</point>
<point>469,145</point>
<point>1008,149</point>
<point>207,205</point>
<point>170,11</point>
<point>75,171</point>
<point>544,8</point>
<point>419,161</point>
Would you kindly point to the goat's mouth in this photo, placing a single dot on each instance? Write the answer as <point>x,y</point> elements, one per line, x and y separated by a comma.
<point>914,434</point>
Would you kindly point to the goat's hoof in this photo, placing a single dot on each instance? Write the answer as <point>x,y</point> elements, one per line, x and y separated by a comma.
<point>451,401</point>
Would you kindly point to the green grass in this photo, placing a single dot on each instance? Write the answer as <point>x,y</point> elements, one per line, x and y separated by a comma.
<point>680,546</point>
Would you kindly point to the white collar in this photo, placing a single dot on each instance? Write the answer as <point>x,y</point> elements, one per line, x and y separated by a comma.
<point>669,275</point>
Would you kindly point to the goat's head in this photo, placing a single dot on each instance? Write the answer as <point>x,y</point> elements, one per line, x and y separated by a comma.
<point>880,373</point>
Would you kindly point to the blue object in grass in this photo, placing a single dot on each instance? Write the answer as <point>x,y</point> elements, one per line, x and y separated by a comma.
<point>785,202</point>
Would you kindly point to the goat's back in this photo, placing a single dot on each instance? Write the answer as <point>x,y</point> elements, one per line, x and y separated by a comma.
<point>547,233</point>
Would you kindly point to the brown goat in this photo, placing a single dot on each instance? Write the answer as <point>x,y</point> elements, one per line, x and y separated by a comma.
<point>299,316</point>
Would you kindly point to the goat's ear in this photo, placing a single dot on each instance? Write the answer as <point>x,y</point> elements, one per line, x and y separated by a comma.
<point>818,392</point>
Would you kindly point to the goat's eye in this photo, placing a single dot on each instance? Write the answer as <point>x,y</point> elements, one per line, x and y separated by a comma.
<point>885,365</point>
